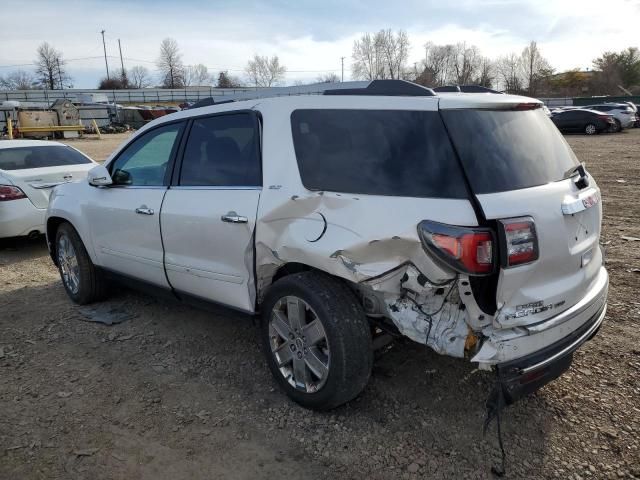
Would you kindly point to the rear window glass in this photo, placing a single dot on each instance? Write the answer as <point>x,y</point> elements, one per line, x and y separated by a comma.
<point>21,158</point>
<point>376,152</point>
<point>508,150</point>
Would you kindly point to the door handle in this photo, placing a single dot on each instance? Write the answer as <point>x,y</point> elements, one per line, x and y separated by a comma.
<point>144,210</point>
<point>233,217</point>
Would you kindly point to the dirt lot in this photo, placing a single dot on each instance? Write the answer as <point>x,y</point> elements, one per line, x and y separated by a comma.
<point>99,149</point>
<point>180,393</point>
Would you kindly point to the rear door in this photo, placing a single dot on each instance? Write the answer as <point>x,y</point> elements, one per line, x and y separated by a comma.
<point>209,214</point>
<point>516,163</point>
<point>38,169</point>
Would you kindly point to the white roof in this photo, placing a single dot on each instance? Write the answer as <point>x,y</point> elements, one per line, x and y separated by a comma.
<point>453,100</point>
<point>442,100</point>
<point>29,143</point>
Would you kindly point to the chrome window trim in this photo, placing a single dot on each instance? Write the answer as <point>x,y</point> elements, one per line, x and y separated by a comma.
<point>213,187</point>
<point>138,187</point>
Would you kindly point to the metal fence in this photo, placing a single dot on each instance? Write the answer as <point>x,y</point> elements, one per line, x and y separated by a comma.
<point>133,96</point>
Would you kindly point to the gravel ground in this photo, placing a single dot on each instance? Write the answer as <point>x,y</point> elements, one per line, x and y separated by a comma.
<point>181,393</point>
<point>98,149</point>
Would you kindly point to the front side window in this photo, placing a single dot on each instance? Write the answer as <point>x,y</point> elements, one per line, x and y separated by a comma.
<point>376,152</point>
<point>222,151</point>
<point>144,162</point>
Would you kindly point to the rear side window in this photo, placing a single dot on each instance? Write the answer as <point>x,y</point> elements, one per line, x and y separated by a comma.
<point>505,150</point>
<point>22,158</point>
<point>222,150</point>
<point>376,152</point>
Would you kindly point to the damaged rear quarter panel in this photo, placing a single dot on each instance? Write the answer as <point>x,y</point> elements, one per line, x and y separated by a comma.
<point>352,236</point>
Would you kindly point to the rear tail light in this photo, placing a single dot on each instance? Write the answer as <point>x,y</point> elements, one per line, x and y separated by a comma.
<point>9,192</point>
<point>466,250</point>
<point>520,241</point>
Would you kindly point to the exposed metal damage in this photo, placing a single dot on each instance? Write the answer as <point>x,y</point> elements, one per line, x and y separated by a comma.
<point>386,271</point>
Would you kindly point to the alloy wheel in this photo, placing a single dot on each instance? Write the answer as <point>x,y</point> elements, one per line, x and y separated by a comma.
<point>590,129</point>
<point>68,262</point>
<point>299,344</point>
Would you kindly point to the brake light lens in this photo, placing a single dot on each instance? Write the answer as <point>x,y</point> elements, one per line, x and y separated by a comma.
<point>466,250</point>
<point>9,192</point>
<point>521,241</point>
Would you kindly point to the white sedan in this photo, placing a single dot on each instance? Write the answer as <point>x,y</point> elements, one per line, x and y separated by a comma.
<point>29,169</point>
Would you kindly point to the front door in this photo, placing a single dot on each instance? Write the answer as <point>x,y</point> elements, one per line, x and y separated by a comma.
<point>209,213</point>
<point>125,217</point>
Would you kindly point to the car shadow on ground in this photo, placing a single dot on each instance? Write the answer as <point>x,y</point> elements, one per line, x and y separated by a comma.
<point>418,406</point>
<point>18,249</point>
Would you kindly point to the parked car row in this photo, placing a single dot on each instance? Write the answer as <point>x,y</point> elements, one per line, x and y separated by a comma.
<point>597,118</point>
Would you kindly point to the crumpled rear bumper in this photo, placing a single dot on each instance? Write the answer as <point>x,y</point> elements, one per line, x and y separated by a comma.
<point>527,374</point>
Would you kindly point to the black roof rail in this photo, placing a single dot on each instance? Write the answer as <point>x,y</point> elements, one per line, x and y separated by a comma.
<point>392,88</point>
<point>205,102</point>
<point>465,89</point>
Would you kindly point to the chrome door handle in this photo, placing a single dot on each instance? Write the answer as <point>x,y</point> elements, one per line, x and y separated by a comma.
<point>143,210</point>
<point>233,217</point>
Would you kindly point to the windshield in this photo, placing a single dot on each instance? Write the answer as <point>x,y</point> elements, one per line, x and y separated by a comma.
<point>376,152</point>
<point>21,158</point>
<point>505,150</point>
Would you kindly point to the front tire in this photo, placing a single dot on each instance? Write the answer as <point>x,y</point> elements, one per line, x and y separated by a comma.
<point>317,340</point>
<point>590,129</point>
<point>81,280</point>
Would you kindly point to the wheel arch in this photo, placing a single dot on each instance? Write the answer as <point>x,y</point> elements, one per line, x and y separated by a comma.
<point>53,223</point>
<point>287,269</point>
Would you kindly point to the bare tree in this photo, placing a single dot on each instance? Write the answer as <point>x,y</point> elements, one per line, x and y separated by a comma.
<point>265,71</point>
<point>381,55</point>
<point>466,61</point>
<point>139,77</point>
<point>437,65</point>
<point>329,77</point>
<point>170,65</point>
<point>368,62</point>
<point>508,68</point>
<point>228,81</point>
<point>50,67</point>
<point>535,68</point>
<point>486,74</point>
<point>395,50</point>
<point>18,80</point>
<point>196,75</point>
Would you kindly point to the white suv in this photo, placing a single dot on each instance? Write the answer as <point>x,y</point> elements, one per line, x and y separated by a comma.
<point>623,115</point>
<point>462,221</point>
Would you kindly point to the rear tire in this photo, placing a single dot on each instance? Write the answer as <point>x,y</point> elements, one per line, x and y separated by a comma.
<point>83,283</point>
<point>590,129</point>
<point>618,127</point>
<point>317,340</point>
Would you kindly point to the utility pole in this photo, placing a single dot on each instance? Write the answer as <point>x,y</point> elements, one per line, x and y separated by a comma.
<point>124,74</point>
<point>342,61</point>
<point>59,74</point>
<point>104,46</point>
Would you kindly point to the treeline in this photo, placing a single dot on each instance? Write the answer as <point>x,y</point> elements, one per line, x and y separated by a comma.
<point>380,55</point>
<point>385,54</point>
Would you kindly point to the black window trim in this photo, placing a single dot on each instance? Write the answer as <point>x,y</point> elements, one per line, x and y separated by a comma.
<point>174,182</point>
<point>172,155</point>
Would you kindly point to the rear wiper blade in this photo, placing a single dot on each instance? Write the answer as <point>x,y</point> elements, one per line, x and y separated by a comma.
<point>583,178</point>
<point>573,170</point>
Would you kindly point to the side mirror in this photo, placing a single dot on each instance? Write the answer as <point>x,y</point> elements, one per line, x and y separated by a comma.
<point>99,176</point>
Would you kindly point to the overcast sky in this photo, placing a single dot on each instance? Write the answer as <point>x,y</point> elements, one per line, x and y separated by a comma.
<point>308,36</point>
